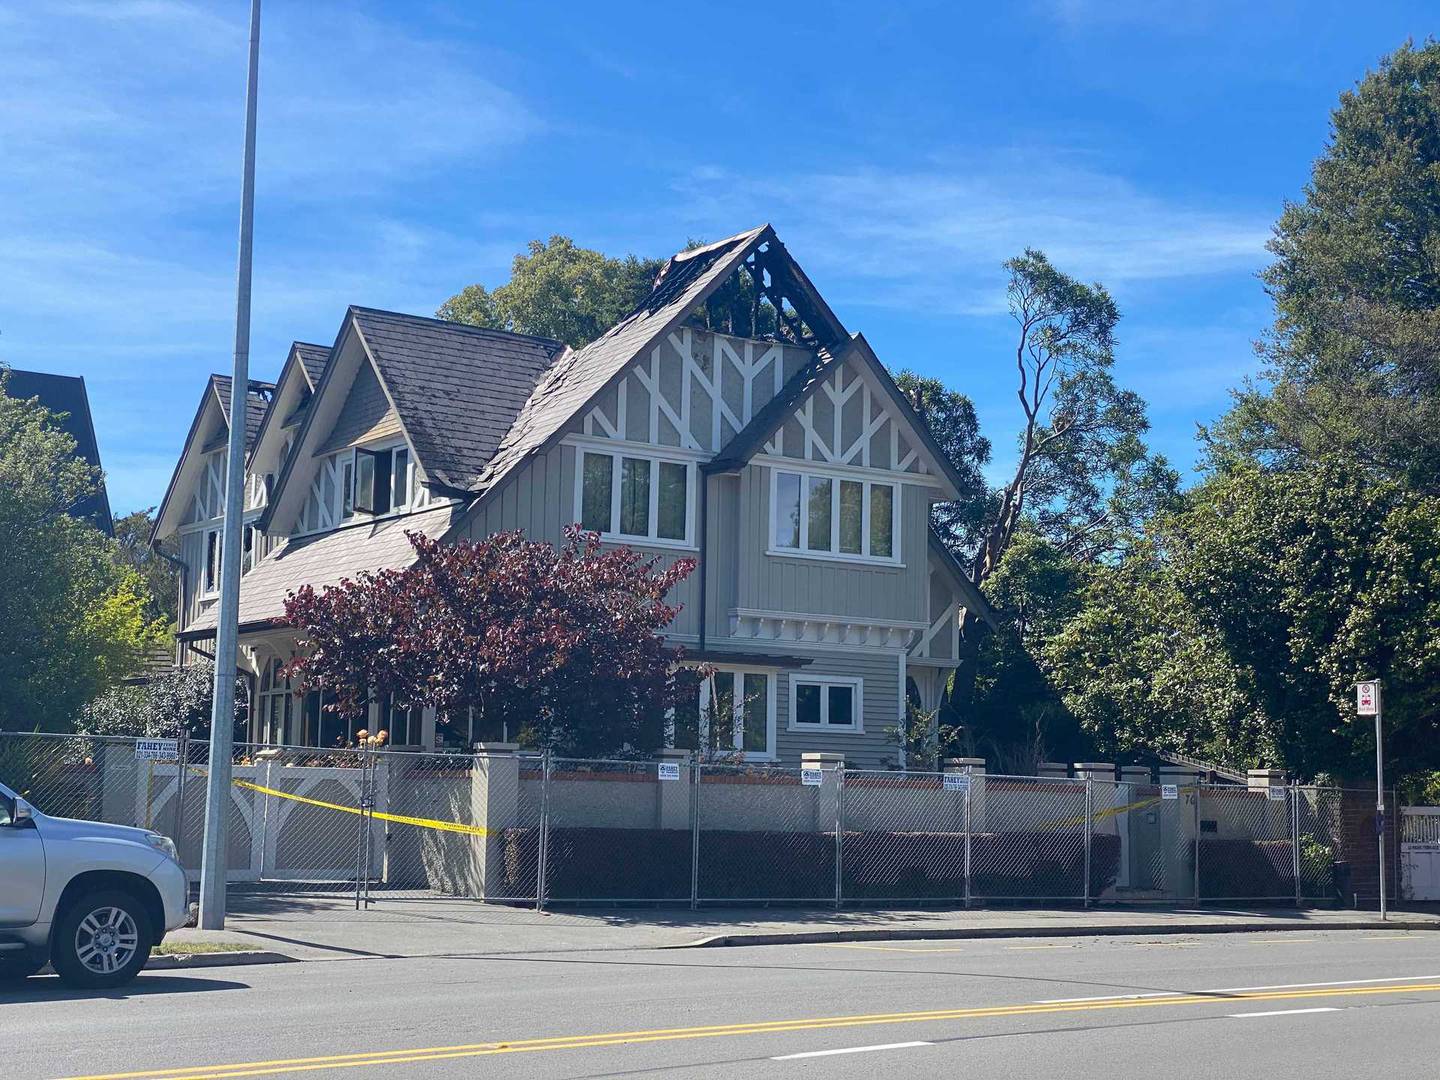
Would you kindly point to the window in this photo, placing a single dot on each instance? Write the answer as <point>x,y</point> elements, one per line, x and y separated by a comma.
<point>211,577</point>
<point>402,726</point>
<point>249,549</point>
<point>825,704</point>
<point>381,481</point>
<point>736,714</point>
<point>650,502</point>
<point>832,517</point>
<point>347,489</point>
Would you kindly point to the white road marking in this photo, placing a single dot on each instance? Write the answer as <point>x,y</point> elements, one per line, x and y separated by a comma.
<point>850,1050</point>
<point>1235,990</point>
<point>1108,997</point>
<point>1280,1012</point>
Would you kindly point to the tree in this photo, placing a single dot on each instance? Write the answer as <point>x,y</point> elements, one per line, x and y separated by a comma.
<point>1356,288</point>
<point>558,290</point>
<point>950,417</point>
<point>561,644</point>
<point>132,539</point>
<point>72,618</point>
<point>166,704</point>
<point>1238,630</point>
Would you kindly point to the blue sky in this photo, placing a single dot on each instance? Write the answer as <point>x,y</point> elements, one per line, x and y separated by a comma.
<point>902,151</point>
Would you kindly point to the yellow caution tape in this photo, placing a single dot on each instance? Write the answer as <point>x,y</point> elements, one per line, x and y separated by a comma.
<point>379,815</point>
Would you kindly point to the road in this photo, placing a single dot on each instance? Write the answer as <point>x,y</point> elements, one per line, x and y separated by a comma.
<point>1279,1005</point>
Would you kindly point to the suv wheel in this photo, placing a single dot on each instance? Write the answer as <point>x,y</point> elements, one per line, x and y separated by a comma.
<point>13,968</point>
<point>102,940</point>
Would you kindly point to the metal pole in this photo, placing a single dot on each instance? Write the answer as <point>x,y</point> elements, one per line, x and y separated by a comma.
<point>839,832</point>
<point>217,791</point>
<point>1295,838</point>
<point>695,836</point>
<point>180,785</point>
<point>1195,842</point>
<point>970,784</point>
<point>1089,831</point>
<point>540,876</point>
<point>1380,798</point>
<point>360,855</point>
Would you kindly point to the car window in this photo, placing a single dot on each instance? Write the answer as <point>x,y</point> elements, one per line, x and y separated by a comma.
<point>7,809</point>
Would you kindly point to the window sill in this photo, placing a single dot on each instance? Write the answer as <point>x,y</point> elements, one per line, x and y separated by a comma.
<point>831,729</point>
<point>646,542</point>
<point>832,557</point>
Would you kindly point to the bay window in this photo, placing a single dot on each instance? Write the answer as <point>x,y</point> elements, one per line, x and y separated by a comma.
<point>832,516</point>
<point>628,497</point>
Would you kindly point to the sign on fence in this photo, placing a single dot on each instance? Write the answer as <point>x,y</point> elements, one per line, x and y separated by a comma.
<point>811,777</point>
<point>1276,794</point>
<point>1169,791</point>
<point>669,770</point>
<point>957,781</point>
<point>157,749</point>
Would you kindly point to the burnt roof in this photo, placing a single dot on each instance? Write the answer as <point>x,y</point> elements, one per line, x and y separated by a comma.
<point>257,400</point>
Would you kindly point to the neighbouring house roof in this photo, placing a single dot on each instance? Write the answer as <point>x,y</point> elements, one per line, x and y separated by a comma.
<point>321,560</point>
<point>65,395</point>
<point>687,281</point>
<point>457,389</point>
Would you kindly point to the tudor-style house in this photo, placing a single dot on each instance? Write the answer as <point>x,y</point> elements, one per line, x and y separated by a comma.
<point>787,463</point>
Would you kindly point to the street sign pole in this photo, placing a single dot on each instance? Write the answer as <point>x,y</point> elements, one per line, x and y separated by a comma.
<point>1367,703</point>
<point>217,791</point>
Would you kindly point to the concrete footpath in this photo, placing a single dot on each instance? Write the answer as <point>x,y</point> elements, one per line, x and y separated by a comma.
<point>311,928</point>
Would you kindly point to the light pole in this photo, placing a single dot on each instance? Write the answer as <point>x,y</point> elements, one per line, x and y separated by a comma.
<point>1367,703</point>
<point>227,623</point>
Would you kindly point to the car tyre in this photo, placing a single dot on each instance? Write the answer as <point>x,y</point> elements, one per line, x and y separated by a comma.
<point>101,940</point>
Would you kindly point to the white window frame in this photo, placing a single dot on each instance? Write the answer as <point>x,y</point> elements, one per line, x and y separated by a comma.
<point>897,499</point>
<point>737,715</point>
<point>209,588</point>
<point>825,682</point>
<point>389,447</point>
<point>616,456</point>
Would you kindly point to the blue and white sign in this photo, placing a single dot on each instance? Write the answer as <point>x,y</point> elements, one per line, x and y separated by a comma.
<point>669,770</point>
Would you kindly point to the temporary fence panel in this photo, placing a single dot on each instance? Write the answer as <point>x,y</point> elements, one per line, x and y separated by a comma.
<point>905,836</point>
<point>1420,853</point>
<point>1031,835</point>
<point>767,834</point>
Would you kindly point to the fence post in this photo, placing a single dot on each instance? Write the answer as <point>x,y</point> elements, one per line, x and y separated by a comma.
<point>1295,838</point>
<point>361,854</point>
<point>695,836</point>
<point>839,832</point>
<point>968,788</point>
<point>540,871</point>
<point>1198,790</point>
<point>1089,830</point>
<point>184,767</point>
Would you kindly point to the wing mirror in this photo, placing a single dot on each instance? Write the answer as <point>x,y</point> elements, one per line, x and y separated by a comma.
<point>24,816</point>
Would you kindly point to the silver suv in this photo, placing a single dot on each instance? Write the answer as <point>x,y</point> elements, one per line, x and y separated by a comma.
<point>90,899</point>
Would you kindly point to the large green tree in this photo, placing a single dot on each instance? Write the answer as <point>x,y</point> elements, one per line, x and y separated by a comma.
<point>1356,286</point>
<point>73,617</point>
<point>132,542</point>
<point>559,290</point>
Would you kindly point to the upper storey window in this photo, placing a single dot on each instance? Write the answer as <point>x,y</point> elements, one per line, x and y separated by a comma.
<point>624,497</point>
<point>381,480</point>
<point>832,517</point>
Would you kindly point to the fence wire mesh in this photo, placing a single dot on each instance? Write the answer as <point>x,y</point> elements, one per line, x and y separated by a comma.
<point>532,830</point>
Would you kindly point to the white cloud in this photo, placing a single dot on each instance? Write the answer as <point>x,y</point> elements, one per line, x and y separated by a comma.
<point>937,238</point>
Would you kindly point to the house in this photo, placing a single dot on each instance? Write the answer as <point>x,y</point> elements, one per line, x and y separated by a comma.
<point>65,396</point>
<point>787,463</point>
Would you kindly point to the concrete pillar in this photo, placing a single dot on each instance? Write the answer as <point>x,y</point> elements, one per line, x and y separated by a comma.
<point>1178,774</point>
<point>1264,779</point>
<point>1052,769</point>
<point>1135,774</point>
<point>827,800</point>
<point>672,797</point>
<point>1095,770</point>
<point>495,807</point>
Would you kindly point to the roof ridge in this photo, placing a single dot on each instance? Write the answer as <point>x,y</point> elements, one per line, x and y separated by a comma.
<point>452,324</point>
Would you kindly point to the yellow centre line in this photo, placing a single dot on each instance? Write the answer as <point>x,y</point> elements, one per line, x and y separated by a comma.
<point>768,1027</point>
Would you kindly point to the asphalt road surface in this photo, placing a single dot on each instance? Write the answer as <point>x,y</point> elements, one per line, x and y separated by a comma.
<point>1351,1004</point>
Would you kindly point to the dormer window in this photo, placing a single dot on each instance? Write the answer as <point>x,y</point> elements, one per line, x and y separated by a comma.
<point>381,480</point>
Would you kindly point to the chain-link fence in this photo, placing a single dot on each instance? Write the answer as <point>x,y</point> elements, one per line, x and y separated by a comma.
<point>518,829</point>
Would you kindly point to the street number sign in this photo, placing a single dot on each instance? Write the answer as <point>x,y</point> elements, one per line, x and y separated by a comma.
<point>1276,794</point>
<point>957,781</point>
<point>1367,698</point>
<point>669,770</point>
<point>811,777</point>
<point>1169,791</point>
<point>157,749</point>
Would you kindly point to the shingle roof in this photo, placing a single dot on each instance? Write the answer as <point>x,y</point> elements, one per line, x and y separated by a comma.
<point>312,359</point>
<point>66,394</point>
<point>577,376</point>
<point>457,388</point>
<point>324,559</point>
<point>257,400</point>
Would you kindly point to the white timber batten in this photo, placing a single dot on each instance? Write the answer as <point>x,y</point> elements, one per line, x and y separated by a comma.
<point>835,631</point>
